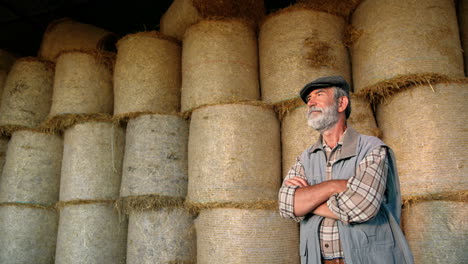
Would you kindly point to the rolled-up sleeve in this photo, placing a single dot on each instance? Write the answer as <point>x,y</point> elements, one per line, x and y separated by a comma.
<point>362,200</point>
<point>286,193</point>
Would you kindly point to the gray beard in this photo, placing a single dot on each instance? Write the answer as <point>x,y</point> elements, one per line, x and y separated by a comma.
<point>324,121</point>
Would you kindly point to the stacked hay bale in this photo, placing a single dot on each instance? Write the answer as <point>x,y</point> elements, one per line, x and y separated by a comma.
<point>27,95</point>
<point>184,13</point>
<point>29,188</point>
<point>67,34</point>
<point>419,93</point>
<point>147,75</point>
<point>6,61</point>
<point>90,229</point>
<point>154,186</point>
<point>82,88</point>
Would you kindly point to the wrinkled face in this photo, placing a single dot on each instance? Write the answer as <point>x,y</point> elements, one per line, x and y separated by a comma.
<point>322,109</point>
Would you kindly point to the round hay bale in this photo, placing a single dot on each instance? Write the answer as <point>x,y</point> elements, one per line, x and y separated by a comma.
<point>463,26</point>
<point>227,235</point>
<point>67,34</point>
<point>234,154</point>
<point>155,159</point>
<point>27,235</point>
<point>161,236</point>
<point>147,74</point>
<point>436,231</point>
<point>184,13</point>
<point>32,169</point>
<point>91,233</point>
<point>92,161</point>
<point>3,150</point>
<point>27,93</point>
<point>83,83</point>
<point>338,7</point>
<point>297,136</point>
<point>428,138</point>
<point>297,45</point>
<point>219,63</point>
<point>405,38</point>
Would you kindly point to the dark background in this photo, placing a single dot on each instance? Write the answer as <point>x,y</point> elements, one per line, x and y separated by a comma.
<point>23,22</point>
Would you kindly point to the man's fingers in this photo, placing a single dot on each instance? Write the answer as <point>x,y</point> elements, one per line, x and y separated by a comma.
<point>296,181</point>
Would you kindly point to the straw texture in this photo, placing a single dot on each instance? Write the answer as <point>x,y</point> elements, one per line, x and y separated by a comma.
<point>32,168</point>
<point>403,38</point>
<point>82,83</point>
<point>463,26</point>
<point>436,231</point>
<point>178,17</point>
<point>155,160</point>
<point>27,235</point>
<point>27,93</point>
<point>92,161</point>
<point>233,154</point>
<point>147,74</point>
<point>67,34</point>
<point>426,128</point>
<point>297,136</point>
<point>3,150</point>
<point>245,236</point>
<point>338,7</point>
<point>296,46</point>
<point>91,233</point>
<point>161,236</point>
<point>219,63</point>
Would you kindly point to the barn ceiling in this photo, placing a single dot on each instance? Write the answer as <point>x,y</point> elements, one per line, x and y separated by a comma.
<point>23,22</point>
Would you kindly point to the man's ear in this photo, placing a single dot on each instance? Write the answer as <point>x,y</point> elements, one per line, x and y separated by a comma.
<point>343,103</point>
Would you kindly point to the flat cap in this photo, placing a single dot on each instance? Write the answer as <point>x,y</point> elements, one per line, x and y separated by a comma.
<point>324,82</point>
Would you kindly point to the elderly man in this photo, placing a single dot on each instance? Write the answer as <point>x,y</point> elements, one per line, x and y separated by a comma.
<point>344,189</point>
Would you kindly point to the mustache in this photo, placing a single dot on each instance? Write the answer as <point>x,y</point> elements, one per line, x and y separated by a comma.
<point>314,109</point>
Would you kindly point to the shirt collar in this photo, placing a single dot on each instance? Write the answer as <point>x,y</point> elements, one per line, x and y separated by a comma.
<point>348,141</point>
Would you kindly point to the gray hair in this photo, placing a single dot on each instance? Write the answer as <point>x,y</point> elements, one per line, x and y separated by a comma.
<point>338,94</point>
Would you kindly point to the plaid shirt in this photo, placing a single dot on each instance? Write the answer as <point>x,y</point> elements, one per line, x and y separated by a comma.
<point>359,203</point>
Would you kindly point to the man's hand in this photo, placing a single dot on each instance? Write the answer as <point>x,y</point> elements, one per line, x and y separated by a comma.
<point>296,181</point>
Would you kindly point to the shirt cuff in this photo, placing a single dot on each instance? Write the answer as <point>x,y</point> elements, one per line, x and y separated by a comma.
<point>333,205</point>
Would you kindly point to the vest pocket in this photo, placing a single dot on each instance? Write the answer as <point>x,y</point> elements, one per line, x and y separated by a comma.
<point>303,252</point>
<point>373,233</point>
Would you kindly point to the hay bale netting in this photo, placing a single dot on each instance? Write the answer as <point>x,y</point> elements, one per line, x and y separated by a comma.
<point>147,74</point>
<point>27,235</point>
<point>27,94</point>
<point>219,63</point>
<point>226,235</point>
<point>463,26</point>
<point>296,45</point>
<point>83,83</point>
<point>92,161</point>
<point>32,169</point>
<point>91,233</point>
<point>184,13</point>
<point>3,150</point>
<point>436,231</point>
<point>405,38</point>
<point>297,136</point>
<point>67,34</point>
<point>155,160</point>
<point>161,236</point>
<point>428,138</point>
<point>234,154</point>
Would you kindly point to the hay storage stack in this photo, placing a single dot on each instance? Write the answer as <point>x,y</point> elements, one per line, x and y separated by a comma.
<point>82,85</point>
<point>463,25</point>
<point>155,160</point>
<point>91,233</point>
<point>27,94</point>
<point>6,61</point>
<point>67,34</point>
<point>425,126</point>
<point>297,45</point>
<point>297,136</point>
<point>147,74</point>
<point>405,38</point>
<point>92,162</point>
<point>183,13</point>
<point>436,231</point>
<point>32,169</point>
<point>219,63</point>
<point>227,235</point>
<point>233,154</point>
<point>27,234</point>
<point>164,235</point>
